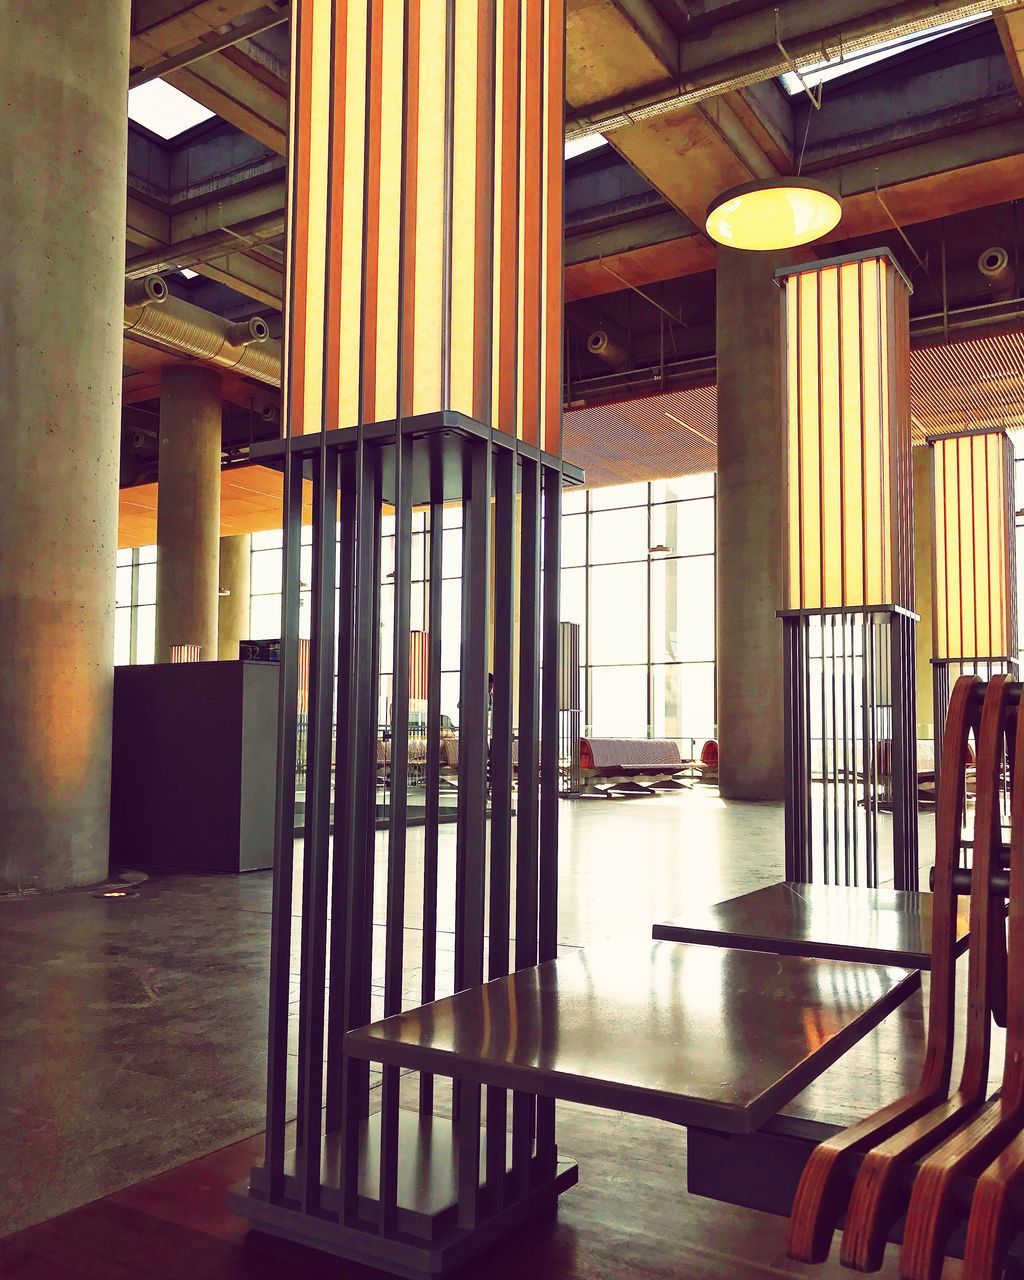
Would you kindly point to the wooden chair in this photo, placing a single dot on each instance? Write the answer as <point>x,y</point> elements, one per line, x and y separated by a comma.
<point>824,1187</point>
<point>876,1202</point>
<point>930,1216</point>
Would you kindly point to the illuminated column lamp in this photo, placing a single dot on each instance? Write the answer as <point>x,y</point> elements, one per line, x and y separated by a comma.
<point>186,652</point>
<point>974,578</point>
<point>423,369</point>
<point>848,620</point>
<point>426,242</point>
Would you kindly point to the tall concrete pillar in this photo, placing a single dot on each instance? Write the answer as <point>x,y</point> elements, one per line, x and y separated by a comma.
<point>924,544</point>
<point>751,525</point>
<point>233,611</point>
<point>188,511</point>
<point>63,136</point>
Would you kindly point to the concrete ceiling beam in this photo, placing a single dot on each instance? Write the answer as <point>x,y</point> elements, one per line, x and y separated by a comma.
<point>225,255</point>
<point>240,91</point>
<point>691,156</point>
<point>1010,25</point>
<point>742,49</point>
<point>264,20</point>
<point>653,30</point>
<point>229,208</point>
<point>610,54</point>
<point>249,274</point>
<point>161,28</point>
<point>146,226</point>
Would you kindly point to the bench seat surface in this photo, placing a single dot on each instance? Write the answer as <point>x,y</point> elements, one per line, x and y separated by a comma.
<point>688,1034</point>
<point>880,926</point>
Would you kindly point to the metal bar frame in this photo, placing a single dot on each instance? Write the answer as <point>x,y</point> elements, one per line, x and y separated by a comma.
<point>340,1181</point>
<point>867,689</point>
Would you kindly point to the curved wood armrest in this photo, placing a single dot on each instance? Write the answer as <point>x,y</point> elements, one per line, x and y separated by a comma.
<point>989,1229</point>
<point>930,1216</point>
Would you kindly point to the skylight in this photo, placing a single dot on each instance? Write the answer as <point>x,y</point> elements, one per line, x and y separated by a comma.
<point>163,109</point>
<point>579,146</point>
<point>834,68</point>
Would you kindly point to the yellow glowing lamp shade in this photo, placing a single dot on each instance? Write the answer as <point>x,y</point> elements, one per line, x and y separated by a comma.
<point>779,214</point>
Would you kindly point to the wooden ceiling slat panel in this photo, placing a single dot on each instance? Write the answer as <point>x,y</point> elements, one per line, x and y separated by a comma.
<point>250,501</point>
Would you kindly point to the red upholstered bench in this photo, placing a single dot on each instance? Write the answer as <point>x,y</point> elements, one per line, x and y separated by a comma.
<point>629,759</point>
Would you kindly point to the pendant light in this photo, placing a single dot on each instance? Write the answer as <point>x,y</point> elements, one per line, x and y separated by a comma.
<point>779,213</point>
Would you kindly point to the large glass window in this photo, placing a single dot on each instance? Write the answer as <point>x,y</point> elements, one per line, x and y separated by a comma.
<point>638,575</point>
<point>135,606</point>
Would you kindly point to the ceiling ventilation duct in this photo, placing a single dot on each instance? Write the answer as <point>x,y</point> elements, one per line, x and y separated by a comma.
<point>607,349</point>
<point>994,264</point>
<point>153,315</point>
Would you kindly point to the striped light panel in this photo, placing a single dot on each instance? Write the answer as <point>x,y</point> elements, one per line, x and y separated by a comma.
<point>425,267</point>
<point>419,665</point>
<point>847,426</point>
<point>974,601</point>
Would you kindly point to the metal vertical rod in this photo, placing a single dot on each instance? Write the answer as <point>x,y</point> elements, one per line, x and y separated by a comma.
<point>428,952</point>
<point>806,764</point>
<point>313,974</point>
<point>526,873</point>
<point>548,851</point>
<point>867,658</point>
<point>394,944</point>
<point>343,798</point>
<point>472,835</point>
<point>791,692</point>
<point>850,739</point>
<point>501,730</point>
<point>529,716</point>
<point>358,851</point>
<point>826,843</point>
<point>834,769</point>
<point>284,835</point>
<point>499,906</point>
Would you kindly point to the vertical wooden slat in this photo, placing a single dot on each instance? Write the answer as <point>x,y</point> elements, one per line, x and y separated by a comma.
<point>531,71</point>
<point>554,146</point>
<point>507,133</point>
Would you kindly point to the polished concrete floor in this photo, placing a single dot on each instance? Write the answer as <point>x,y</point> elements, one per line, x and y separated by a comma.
<point>132,1029</point>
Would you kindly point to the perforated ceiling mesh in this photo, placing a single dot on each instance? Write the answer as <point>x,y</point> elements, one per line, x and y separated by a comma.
<point>973,383</point>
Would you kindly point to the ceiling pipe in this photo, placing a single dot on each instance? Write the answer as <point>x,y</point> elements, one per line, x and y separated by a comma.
<point>245,346</point>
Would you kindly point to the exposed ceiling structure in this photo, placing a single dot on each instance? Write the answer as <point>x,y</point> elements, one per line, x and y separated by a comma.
<point>957,386</point>
<point>924,140</point>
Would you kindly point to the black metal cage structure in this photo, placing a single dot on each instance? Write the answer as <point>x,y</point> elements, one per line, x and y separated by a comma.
<point>397,1170</point>
<point>851,766</point>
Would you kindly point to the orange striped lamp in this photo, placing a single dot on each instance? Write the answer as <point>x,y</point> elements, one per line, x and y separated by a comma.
<point>426,213</point>
<point>974,600</point>
<point>849,479</point>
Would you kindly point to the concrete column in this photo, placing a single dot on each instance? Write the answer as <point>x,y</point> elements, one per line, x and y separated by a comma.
<point>751,526</point>
<point>63,136</point>
<point>188,510</point>
<point>924,544</point>
<point>233,611</point>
